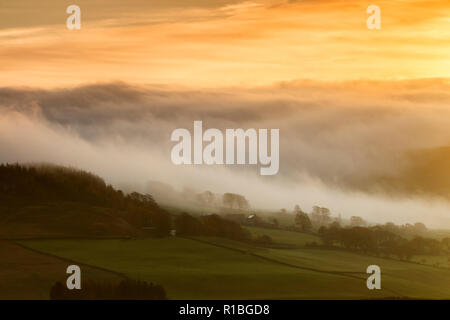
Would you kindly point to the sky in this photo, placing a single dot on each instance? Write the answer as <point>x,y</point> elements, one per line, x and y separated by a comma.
<point>221,43</point>
<point>352,104</point>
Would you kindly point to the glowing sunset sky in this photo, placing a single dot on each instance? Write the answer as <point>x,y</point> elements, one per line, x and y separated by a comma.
<point>221,43</point>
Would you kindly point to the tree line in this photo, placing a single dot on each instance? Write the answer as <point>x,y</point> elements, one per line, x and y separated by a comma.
<point>377,240</point>
<point>22,186</point>
<point>209,225</point>
<point>124,290</point>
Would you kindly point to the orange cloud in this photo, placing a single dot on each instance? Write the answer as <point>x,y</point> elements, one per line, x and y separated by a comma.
<point>244,43</point>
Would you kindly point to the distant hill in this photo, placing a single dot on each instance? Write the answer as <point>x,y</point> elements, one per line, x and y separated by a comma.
<point>429,172</point>
<point>426,173</point>
<point>51,201</point>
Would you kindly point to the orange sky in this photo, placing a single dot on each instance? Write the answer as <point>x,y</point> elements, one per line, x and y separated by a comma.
<point>215,43</point>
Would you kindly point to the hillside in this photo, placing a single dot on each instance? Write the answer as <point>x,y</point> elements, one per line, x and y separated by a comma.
<point>44,208</point>
<point>27,274</point>
<point>426,173</point>
<point>48,201</point>
<point>220,268</point>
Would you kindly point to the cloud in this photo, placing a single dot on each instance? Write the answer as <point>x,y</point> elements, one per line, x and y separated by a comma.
<point>198,42</point>
<point>336,139</point>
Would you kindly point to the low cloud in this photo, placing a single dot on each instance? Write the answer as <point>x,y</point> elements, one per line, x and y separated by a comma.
<point>336,139</point>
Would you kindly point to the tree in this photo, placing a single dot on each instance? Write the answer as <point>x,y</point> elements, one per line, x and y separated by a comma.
<point>242,202</point>
<point>356,221</point>
<point>40,186</point>
<point>303,222</point>
<point>228,200</point>
<point>419,227</point>
<point>446,244</point>
<point>320,216</point>
<point>216,226</point>
<point>274,222</point>
<point>105,290</point>
<point>232,200</point>
<point>263,240</point>
<point>206,198</point>
<point>186,224</point>
<point>391,227</point>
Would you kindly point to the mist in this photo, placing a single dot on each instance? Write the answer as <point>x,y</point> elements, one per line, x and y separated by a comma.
<point>336,139</point>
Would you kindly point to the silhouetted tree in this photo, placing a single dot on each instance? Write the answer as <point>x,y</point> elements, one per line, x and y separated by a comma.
<point>123,290</point>
<point>303,222</point>
<point>263,240</point>
<point>186,224</point>
<point>320,216</point>
<point>356,221</point>
<point>209,225</point>
<point>233,200</point>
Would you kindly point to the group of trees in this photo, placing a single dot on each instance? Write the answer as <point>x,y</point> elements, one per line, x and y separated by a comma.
<point>388,239</point>
<point>207,199</point>
<point>321,217</point>
<point>252,220</point>
<point>143,211</point>
<point>209,225</point>
<point>124,290</point>
<point>263,240</point>
<point>235,201</point>
<point>22,186</point>
<point>302,221</point>
<point>227,200</point>
<point>378,241</point>
<point>215,226</point>
<point>318,217</point>
<point>356,221</point>
<point>39,184</point>
<point>417,228</point>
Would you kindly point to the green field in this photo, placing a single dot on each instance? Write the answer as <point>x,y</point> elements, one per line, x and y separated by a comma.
<point>215,268</point>
<point>25,274</point>
<point>400,278</point>
<point>189,269</point>
<point>439,261</point>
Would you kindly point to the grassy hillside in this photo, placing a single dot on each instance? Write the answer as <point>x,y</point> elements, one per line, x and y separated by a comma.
<point>401,279</point>
<point>406,279</point>
<point>69,216</point>
<point>214,268</point>
<point>25,274</point>
<point>64,220</point>
<point>189,269</point>
<point>48,201</point>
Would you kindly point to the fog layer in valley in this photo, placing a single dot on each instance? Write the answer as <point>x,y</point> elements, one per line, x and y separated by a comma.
<point>359,148</point>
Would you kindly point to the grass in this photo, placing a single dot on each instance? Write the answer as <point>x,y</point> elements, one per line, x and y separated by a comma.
<point>440,261</point>
<point>25,274</point>
<point>400,278</point>
<point>190,269</point>
<point>217,268</point>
